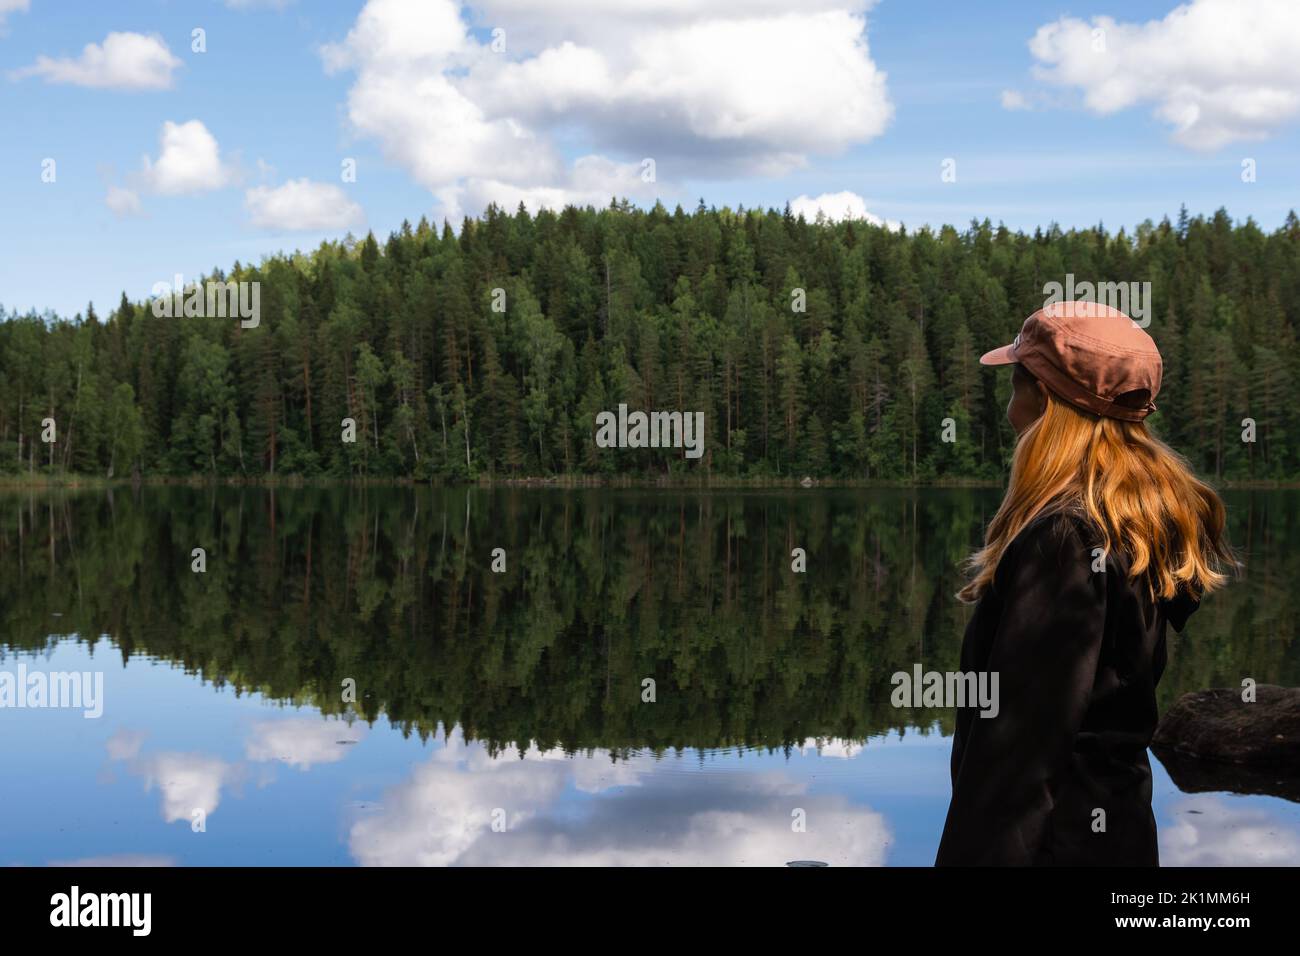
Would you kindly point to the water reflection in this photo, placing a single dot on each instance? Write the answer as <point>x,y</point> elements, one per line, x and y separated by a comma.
<point>444,814</point>
<point>516,698</point>
<point>1213,830</point>
<point>302,741</point>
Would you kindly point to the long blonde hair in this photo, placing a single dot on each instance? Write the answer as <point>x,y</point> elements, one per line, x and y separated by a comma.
<point>1140,495</point>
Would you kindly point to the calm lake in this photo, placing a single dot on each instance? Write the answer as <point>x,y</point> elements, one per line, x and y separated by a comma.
<point>499,715</point>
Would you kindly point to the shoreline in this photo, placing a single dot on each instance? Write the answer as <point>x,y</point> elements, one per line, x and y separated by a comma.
<point>571,482</point>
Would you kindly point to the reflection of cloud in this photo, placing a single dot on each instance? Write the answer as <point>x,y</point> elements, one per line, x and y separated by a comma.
<point>442,815</point>
<point>591,775</point>
<point>125,744</point>
<point>446,805</point>
<point>832,747</point>
<point>1210,832</point>
<point>118,859</point>
<point>302,741</point>
<point>188,781</point>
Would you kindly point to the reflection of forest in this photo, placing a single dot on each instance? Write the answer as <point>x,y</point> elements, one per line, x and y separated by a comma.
<point>393,587</point>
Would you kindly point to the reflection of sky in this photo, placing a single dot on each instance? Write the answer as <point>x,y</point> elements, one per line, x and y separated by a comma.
<point>1223,829</point>
<point>281,785</point>
<point>560,810</point>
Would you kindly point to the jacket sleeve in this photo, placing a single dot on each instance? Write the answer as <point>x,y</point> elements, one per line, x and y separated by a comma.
<point>1044,650</point>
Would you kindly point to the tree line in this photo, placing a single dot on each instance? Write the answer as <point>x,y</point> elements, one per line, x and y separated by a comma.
<point>838,350</point>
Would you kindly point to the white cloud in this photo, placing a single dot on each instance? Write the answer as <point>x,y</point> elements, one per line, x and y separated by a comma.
<point>302,741</point>
<point>301,204</point>
<point>11,6</point>
<point>125,61</point>
<point>837,207</point>
<point>189,161</point>
<point>1014,100</point>
<point>1216,71</point>
<point>591,180</point>
<point>739,88</point>
<point>123,202</point>
<point>534,26</point>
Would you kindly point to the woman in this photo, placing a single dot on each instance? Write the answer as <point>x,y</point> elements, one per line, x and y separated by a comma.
<point>1103,538</point>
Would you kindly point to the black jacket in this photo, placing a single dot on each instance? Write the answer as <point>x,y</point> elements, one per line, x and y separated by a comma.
<point>1078,653</point>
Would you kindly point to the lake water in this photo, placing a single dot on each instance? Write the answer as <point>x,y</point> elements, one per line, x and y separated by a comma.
<point>498,715</point>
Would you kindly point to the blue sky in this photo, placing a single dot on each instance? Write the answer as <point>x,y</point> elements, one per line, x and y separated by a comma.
<point>754,103</point>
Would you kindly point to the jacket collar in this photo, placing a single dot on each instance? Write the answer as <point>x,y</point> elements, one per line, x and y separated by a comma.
<point>1179,608</point>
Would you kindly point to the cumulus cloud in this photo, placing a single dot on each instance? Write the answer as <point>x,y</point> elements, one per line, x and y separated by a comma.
<point>837,207</point>
<point>125,61</point>
<point>592,180</point>
<point>1216,71</point>
<point>443,814</point>
<point>746,88</point>
<point>302,741</point>
<point>189,161</point>
<point>301,204</point>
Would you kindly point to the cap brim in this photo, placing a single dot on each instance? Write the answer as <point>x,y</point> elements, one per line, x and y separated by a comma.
<point>999,356</point>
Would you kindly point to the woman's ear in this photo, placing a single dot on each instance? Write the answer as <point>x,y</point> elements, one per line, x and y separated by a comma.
<point>1042,396</point>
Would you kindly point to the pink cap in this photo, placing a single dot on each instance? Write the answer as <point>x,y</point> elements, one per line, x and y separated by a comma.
<point>1090,355</point>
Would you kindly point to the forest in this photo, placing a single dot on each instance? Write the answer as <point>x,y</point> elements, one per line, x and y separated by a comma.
<point>837,350</point>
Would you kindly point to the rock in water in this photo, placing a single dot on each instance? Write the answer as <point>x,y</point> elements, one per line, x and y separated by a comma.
<point>1218,725</point>
<point>1194,775</point>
